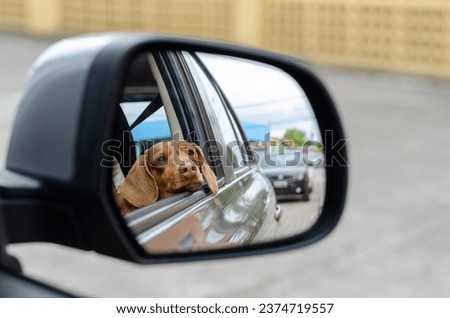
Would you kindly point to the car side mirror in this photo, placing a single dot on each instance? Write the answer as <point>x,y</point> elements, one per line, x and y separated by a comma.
<point>153,149</point>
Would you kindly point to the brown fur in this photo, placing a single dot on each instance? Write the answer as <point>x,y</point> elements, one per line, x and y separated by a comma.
<point>166,168</point>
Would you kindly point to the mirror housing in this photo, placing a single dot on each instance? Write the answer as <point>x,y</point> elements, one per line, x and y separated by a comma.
<point>53,189</point>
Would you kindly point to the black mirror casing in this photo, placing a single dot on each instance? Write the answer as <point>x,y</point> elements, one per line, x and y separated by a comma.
<point>53,188</point>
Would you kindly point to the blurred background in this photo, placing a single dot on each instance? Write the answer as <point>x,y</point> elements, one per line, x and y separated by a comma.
<point>398,35</point>
<point>386,64</point>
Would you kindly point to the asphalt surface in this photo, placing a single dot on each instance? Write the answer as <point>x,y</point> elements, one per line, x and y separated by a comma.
<point>298,216</point>
<point>393,238</point>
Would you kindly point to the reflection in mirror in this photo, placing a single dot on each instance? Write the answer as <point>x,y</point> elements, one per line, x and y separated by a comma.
<point>282,129</point>
<point>214,152</point>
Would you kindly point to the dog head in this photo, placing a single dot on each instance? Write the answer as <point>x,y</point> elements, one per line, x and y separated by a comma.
<point>167,168</point>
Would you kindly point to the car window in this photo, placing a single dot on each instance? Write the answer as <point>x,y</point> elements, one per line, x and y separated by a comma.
<point>214,103</point>
<point>165,179</point>
<point>151,130</point>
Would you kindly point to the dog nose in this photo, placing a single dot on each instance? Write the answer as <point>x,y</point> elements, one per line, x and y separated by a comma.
<point>187,168</point>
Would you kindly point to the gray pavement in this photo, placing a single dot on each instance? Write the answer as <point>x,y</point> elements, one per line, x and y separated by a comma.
<point>298,216</point>
<point>392,241</point>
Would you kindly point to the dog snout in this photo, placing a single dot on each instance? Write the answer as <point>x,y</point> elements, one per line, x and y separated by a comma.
<point>188,169</point>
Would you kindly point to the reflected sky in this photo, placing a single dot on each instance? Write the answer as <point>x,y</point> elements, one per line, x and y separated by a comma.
<point>263,94</point>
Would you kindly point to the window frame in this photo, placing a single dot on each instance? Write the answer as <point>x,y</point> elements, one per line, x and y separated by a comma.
<point>238,129</point>
<point>232,172</point>
<point>248,154</point>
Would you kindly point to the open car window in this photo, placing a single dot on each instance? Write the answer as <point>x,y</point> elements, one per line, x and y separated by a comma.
<point>151,130</point>
<point>150,116</point>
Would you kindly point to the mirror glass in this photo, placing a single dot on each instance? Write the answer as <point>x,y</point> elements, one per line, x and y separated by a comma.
<point>214,152</point>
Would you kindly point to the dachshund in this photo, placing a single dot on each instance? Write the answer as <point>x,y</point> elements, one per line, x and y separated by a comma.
<point>166,168</point>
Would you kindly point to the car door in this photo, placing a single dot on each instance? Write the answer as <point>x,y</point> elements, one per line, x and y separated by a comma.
<point>254,202</point>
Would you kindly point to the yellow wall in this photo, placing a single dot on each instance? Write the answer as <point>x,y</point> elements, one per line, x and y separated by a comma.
<point>12,14</point>
<point>409,36</point>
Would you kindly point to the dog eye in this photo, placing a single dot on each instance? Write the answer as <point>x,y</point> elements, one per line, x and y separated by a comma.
<point>161,159</point>
<point>191,152</point>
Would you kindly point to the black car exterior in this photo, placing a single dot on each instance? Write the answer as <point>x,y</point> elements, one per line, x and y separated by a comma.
<point>290,176</point>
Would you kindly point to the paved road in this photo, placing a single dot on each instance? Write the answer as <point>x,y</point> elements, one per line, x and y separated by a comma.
<point>299,216</point>
<point>393,239</point>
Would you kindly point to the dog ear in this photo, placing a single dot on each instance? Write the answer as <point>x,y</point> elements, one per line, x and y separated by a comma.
<point>208,174</point>
<point>140,187</point>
